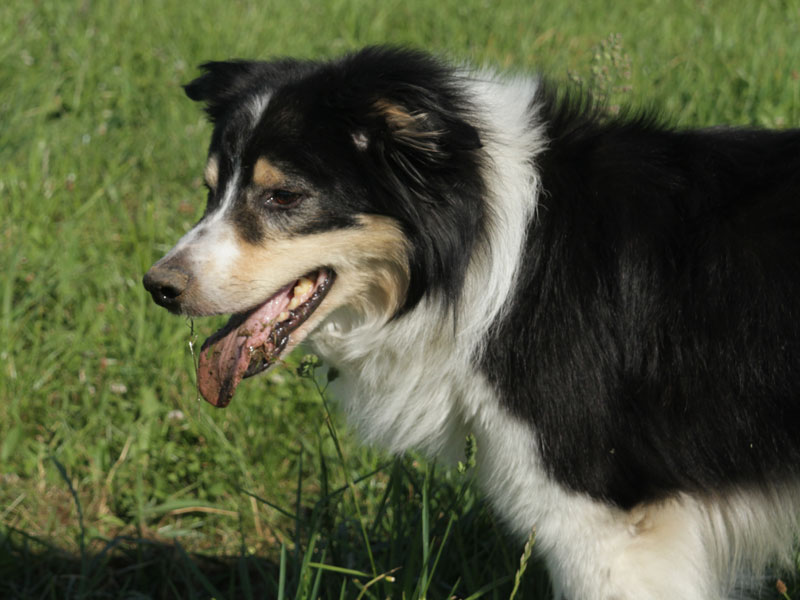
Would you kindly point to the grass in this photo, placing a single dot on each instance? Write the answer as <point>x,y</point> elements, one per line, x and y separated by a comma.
<point>115,480</point>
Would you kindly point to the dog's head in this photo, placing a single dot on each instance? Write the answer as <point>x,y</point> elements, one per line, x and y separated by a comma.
<point>350,184</point>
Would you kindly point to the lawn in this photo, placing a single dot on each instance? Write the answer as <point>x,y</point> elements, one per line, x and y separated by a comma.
<point>116,481</point>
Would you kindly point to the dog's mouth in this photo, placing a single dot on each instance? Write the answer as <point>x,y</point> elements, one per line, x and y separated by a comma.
<point>251,342</point>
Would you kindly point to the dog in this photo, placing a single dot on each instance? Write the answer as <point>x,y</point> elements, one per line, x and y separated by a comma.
<point>610,305</point>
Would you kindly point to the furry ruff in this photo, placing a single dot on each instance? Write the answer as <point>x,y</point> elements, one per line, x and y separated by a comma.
<point>611,306</point>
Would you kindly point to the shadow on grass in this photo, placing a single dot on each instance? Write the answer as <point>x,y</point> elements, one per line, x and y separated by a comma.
<point>127,568</point>
<point>429,535</point>
<point>467,558</point>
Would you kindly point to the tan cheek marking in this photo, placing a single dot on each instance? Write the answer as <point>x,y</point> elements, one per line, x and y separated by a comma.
<point>266,175</point>
<point>371,263</point>
<point>211,173</point>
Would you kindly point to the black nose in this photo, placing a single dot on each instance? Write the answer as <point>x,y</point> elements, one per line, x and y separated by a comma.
<point>166,283</point>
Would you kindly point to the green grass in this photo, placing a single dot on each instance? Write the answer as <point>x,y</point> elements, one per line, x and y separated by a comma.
<point>115,480</point>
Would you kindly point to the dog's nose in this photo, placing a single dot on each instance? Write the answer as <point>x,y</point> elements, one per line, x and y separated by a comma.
<point>166,283</point>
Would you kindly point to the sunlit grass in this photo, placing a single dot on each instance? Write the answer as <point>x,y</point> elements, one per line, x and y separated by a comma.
<point>100,162</point>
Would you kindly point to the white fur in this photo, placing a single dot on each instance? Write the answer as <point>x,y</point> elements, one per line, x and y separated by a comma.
<point>211,248</point>
<point>257,107</point>
<point>510,141</point>
<point>228,198</point>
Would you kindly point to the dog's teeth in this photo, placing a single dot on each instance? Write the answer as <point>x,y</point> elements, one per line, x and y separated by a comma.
<point>284,315</point>
<point>304,285</point>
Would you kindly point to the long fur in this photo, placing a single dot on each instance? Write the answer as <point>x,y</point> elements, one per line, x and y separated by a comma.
<point>611,306</point>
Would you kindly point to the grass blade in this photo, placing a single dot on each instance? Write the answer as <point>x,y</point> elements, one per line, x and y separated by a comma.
<point>282,574</point>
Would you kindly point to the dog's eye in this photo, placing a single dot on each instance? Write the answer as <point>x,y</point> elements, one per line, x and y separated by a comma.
<point>283,198</point>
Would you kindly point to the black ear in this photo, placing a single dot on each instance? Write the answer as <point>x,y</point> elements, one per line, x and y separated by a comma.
<point>221,79</point>
<point>226,82</point>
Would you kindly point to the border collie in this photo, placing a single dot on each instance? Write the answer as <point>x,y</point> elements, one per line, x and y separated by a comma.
<point>611,306</point>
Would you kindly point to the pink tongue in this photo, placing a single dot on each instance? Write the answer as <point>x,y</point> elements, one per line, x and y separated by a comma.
<point>225,356</point>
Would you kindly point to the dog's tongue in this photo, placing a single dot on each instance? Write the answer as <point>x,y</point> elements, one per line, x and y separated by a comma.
<point>226,355</point>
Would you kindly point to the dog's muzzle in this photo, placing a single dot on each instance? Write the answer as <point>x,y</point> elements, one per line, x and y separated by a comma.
<point>166,282</point>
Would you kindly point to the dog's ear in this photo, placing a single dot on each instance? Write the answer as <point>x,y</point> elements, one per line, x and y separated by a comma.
<point>220,79</point>
<point>428,130</point>
<point>406,102</point>
<point>224,82</point>
<point>414,141</point>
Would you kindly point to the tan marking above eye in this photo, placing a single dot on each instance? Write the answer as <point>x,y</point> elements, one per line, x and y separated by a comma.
<point>266,175</point>
<point>211,173</point>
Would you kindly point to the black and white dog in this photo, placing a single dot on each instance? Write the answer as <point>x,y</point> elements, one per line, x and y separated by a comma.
<point>611,306</point>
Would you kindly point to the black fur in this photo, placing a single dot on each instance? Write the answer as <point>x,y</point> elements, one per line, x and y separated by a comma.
<point>654,338</point>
